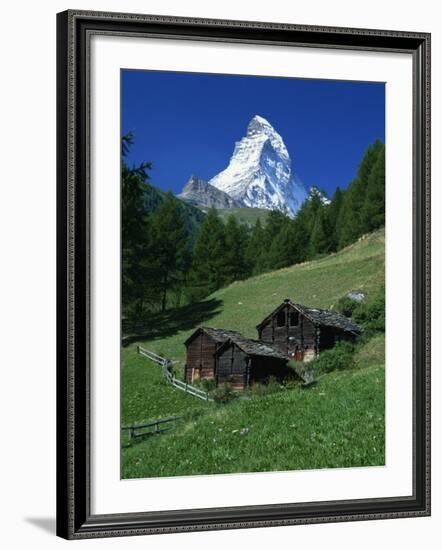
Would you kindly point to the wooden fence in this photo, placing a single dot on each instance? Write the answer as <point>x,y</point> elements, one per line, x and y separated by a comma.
<point>153,356</point>
<point>165,364</point>
<point>152,428</point>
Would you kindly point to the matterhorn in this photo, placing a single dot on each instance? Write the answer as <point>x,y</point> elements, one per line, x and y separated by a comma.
<point>260,174</point>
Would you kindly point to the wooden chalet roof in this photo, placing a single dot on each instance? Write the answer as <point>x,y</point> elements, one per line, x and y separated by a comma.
<point>321,317</point>
<point>220,335</point>
<point>247,345</point>
<point>255,348</point>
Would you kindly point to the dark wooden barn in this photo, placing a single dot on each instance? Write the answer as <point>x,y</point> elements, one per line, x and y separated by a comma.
<point>301,332</point>
<point>228,357</point>
<point>201,347</point>
<point>242,362</point>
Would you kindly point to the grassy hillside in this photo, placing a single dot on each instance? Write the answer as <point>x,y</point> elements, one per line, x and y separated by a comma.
<point>337,423</point>
<point>242,305</point>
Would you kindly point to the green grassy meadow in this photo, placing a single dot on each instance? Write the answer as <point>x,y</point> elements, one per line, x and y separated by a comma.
<point>339,422</point>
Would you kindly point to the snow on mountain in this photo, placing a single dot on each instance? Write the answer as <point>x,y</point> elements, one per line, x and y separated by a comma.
<point>260,173</point>
<point>315,191</point>
<point>200,193</point>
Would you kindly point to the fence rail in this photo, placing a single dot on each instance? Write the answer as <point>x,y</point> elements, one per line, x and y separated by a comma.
<point>152,356</point>
<point>151,428</point>
<point>165,364</point>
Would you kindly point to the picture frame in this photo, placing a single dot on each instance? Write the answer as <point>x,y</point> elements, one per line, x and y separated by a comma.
<point>75,518</point>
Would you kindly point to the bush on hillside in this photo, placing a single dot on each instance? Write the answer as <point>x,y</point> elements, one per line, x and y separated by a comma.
<point>371,316</point>
<point>338,358</point>
<point>224,393</point>
<point>347,306</point>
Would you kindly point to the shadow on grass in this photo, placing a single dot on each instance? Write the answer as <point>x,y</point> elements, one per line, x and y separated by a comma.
<point>172,321</point>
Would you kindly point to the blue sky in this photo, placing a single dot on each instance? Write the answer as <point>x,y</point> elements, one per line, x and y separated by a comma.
<point>188,123</point>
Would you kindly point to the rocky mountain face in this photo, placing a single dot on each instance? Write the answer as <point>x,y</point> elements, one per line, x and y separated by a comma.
<point>260,174</point>
<point>200,193</point>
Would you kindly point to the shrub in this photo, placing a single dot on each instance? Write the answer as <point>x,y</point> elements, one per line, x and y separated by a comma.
<point>372,315</point>
<point>224,393</point>
<point>208,384</point>
<point>347,306</point>
<point>338,358</point>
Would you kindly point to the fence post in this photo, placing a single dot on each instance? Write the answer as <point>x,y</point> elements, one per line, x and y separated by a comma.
<point>138,349</point>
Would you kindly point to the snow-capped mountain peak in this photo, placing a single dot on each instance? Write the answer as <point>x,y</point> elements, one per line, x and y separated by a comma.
<point>261,128</point>
<point>260,173</point>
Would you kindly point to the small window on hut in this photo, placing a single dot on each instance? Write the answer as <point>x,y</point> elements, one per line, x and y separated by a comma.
<point>294,319</point>
<point>280,319</point>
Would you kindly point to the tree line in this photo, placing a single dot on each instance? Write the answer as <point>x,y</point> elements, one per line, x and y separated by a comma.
<point>165,265</point>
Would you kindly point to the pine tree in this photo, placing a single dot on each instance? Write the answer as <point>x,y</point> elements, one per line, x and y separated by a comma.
<point>302,224</point>
<point>274,223</point>
<point>373,209</point>
<point>320,236</point>
<point>333,212</point>
<point>313,205</point>
<point>135,234</point>
<point>171,247</point>
<point>255,256</point>
<point>368,161</point>
<point>284,250</point>
<point>208,261</point>
<point>236,236</point>
<point>349,225</point>
<point>352,223</point>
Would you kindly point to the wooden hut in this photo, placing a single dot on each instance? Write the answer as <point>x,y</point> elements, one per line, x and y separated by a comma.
<point>241,362</point>
<point>301,332</point>
<point>228,357</point>
<point>200,352</point>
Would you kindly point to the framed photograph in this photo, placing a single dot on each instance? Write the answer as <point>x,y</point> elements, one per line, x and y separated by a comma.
<point>243,274</point>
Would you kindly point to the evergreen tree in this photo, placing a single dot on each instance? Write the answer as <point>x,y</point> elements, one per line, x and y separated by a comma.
<point>303,227</point>
<point>320,236</point>
<point>368,161</point>
<point>349,224</point>
<point>208,261</point>
<point>171,247</point>
<point>312,206</point>
<point>255,254</point>
<point>284,250</point>
<point>373,209</point>
<point>236,237</point>
<point>352,222</point>
<point>135,234</point>
<point>274,224</point>
<point>333,212</point>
